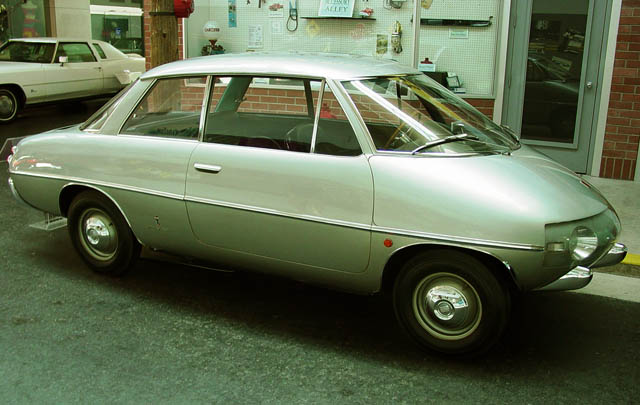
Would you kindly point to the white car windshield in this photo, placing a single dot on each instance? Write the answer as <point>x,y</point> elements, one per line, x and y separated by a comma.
<point>33,52</point>
<point>414,114</point>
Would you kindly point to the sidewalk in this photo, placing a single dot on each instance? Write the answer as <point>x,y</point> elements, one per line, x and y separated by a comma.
<point>625,197</point>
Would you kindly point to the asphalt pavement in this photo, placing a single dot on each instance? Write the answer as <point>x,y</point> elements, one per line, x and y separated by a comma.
<point>168,333</point>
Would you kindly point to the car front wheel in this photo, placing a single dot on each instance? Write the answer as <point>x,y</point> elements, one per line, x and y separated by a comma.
<point>449,302</point>
<point>9,105</point>
<point>101,235</point>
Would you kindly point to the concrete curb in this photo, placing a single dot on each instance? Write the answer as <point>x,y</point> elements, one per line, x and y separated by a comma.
<point>632,259</point>
<point>609,285</point>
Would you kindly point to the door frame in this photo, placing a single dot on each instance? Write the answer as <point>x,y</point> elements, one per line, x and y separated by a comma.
<point>602,81</point>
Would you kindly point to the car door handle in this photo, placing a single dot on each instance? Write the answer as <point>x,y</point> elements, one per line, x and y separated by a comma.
<point>207,168</point>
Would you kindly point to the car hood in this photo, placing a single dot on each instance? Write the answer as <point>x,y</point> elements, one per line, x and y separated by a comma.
<point>497,197</point>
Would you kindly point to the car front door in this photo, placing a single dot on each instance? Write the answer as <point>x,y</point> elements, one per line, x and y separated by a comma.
<point>262,185</point>
<point>80,76</point>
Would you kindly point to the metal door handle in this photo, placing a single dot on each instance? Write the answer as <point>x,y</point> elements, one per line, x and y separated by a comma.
<point>207,168</point>
<point>589,85</point>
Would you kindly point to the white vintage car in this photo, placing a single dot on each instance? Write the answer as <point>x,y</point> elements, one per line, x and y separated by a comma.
<point>351,172</point>
<point>38,70</point>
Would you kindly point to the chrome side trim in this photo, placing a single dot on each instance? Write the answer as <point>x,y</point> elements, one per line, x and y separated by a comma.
<point>459,239</point>
<point>269,211</point>
<point>355,225</point>
<point>81,181</point>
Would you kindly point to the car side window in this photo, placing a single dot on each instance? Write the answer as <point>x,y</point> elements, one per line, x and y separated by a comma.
<point>170,109</point>
<point>100,51</point>
<point>76,52</point>
<point>335,134</point>
<point>272,113</point>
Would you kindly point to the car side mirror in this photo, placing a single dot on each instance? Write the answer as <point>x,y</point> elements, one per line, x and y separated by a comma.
<point>63,60</point>
<point>457,128</point>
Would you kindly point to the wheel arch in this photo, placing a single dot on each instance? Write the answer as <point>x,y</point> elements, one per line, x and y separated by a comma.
<point>71,190</point>
<point>498,268</point>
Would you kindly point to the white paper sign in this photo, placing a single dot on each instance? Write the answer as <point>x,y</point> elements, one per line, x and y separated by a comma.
<point>256,39</point>
<point>336,8</point>
<point>276,27</point>
<point>459,33</point>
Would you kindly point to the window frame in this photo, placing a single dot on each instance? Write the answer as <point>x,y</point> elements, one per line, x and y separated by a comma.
<point>335,89</point>
<point>147,92</point>
<point>56,57</point>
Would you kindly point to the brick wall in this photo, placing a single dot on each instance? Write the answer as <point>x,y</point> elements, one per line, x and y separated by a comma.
<point>620,150</point>
<point>483,105</point>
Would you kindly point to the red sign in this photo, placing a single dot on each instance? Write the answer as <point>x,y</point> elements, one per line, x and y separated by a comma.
<point>182,8</point>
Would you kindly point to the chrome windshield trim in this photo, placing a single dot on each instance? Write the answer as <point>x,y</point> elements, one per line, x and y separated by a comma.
<point>459,239</point>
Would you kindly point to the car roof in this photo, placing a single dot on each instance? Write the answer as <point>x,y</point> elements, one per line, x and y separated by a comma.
<point>52,39</point>
<point>290,64</point>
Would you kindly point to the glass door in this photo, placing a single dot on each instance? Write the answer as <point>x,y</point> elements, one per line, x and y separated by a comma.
<point>553,81</point>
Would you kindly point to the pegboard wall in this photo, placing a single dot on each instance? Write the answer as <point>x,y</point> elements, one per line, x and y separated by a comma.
<point>259,28</point>
<point>472,58</point>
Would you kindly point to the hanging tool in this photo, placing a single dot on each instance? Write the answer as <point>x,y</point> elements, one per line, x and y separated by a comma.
<point>293,16</point>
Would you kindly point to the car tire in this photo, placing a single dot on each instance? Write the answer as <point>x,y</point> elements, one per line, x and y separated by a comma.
<point>449,302</point>
<point>9,105</point>
<point>101,235</point>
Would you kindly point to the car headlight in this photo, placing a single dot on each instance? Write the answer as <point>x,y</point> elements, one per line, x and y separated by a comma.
<point>582,243</point>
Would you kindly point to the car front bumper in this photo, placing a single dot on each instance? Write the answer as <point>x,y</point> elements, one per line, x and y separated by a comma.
<point>579,277</point>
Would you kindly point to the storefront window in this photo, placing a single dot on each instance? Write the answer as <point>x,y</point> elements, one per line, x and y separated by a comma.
<point>22,19</point>
<point>119,26</point>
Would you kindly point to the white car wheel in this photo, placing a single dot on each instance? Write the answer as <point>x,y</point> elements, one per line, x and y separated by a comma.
<point>9,105</point>
<point>450,302</point>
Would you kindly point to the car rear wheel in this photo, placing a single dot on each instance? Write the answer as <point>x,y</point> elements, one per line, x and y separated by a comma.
<point>449,302</point>
<point>101,235</point>
<point>9,105</point>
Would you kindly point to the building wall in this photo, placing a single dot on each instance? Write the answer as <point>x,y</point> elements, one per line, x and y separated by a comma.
<point>622,133</point>
<point>72,18</point>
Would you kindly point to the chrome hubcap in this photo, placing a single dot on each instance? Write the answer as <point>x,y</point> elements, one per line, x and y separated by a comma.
<point>98,234</point>
<point>7,106</point>
<point>447,306</point>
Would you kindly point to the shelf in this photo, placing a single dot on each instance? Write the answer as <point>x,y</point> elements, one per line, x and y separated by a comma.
<point>338,18</point>
<point>455,23</point>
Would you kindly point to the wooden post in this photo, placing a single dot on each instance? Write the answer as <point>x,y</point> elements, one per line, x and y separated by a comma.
<point>164,33</point>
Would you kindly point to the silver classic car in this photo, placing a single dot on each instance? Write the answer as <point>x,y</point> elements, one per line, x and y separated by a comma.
<point>39,70</point>
<point>351,172</point>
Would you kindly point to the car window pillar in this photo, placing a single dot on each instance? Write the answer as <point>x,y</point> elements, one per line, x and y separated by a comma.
<point>205,107</point>
<point>317,117</point>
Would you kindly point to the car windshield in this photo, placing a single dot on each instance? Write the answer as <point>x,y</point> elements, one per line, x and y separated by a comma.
<point>33,52</point>
<point>414,114</point>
